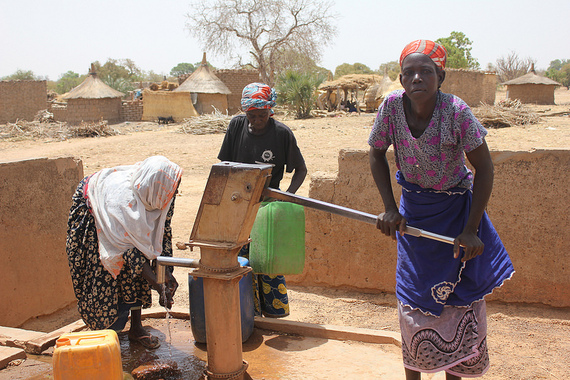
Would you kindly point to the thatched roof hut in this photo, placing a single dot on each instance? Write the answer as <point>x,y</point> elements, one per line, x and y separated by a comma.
<point>532,88</point>
<point>93,100</point>
<point>337,91</point>
<point>206,89</point>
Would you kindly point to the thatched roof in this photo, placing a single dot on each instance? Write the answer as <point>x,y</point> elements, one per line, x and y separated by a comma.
<point>92,88</point>
<point>532,78</point>
<point>351,82</point>
<point>203,80</point>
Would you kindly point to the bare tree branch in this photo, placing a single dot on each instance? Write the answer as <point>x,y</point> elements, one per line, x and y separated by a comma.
<point>264,28</point>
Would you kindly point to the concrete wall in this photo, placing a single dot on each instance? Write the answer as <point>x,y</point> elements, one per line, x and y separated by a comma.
<point>529,207</point>
<point>236,80</point>
<point>472,86</point>
<point>21,100</point>
<point>35,197</point>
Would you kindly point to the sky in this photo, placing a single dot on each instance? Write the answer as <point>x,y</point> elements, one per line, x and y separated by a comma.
<point>53,37</point>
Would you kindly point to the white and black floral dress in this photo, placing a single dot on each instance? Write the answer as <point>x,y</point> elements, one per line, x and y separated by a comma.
<point>98,293</point>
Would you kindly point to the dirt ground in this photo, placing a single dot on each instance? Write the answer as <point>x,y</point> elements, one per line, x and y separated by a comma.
<point>525,341</point>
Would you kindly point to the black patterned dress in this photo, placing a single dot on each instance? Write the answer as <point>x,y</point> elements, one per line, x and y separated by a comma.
<point>98,293</point>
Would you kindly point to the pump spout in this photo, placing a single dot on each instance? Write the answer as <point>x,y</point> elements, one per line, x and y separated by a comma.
<point>164,261</point>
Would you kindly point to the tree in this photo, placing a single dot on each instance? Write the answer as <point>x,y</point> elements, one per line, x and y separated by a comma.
<point>458,48</point>
<point>22,75</point>
<point>68,81</point>
<point>118,74</point>
<point>181,69</point>
<point>511,67</point>
<point>559,70</point>
<point>299,91</point>
<point>391,68</point>
<point>266,28</point>
<point>355,68</point>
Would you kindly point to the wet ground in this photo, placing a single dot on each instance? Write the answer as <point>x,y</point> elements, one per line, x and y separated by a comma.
<point>270,356</point>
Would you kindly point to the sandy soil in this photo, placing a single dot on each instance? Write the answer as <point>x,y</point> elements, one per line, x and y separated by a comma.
<point>525,341</point>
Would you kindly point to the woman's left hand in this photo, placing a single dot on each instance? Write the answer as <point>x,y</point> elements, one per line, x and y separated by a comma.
<point>171,283</point>
<point>471,244</point>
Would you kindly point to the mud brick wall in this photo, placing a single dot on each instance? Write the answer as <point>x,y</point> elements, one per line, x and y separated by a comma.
<point>236,80</point>
<point>529,207</point>
<point>21,100</point>
<point>132,110</point>
<point>93,110</point>
<point>472,86</point>
<point>34,275</point>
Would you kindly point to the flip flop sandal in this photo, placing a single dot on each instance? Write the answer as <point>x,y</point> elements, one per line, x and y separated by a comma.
<point>147,341</point>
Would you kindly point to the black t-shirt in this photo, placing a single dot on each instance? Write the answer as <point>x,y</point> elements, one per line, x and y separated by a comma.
<point>277,146</point>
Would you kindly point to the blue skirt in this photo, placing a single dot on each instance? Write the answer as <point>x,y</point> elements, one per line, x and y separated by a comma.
<point>427,275</point>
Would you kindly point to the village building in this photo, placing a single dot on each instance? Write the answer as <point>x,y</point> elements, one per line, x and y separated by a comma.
<point>532,88</point>
<point>207,91</point>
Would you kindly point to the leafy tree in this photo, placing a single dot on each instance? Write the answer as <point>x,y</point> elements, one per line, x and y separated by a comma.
<point>298,91</point>
<point>458,48</point>
<point>511,67</point>
<point>265,27</point>
<point>392,68</point>
<point>559,70</point>
<point>68,81</point>
<point>22,75</point>
<point>355,68</point>
<point>181,69</point>
<point>118,74</point>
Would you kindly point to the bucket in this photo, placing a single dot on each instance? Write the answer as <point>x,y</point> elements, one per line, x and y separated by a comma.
<point>278,239</point>
<point>198,314</point>
<point>89,355</point>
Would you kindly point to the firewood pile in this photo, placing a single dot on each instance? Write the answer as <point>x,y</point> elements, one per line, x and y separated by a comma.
<point>206,124</point>
<point>94,129</point>
<point>507,113</point>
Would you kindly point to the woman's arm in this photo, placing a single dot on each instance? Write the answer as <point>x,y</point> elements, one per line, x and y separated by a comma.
<point>480,159</point>
<point>297,179</point>
<point>392,221</point>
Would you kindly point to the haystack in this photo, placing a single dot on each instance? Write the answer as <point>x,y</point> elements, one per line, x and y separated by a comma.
<point>206,90</point>
<point>376,93</point>
<point>92,101</point>
<point>532,88</point>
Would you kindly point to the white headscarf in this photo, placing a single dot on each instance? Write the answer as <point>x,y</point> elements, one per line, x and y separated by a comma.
<point>130,204</point>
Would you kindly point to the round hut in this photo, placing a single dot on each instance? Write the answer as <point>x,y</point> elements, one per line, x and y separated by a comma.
<point>532,88</point>
<point>93,100</point>
<point>206,90</point>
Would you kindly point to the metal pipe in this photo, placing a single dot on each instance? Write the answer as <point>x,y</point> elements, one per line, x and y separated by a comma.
<point>164,261</point>
<point>347,212</point>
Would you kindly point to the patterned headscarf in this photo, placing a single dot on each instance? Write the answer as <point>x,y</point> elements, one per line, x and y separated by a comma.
<point>435,51</point>
<point>258,96</point>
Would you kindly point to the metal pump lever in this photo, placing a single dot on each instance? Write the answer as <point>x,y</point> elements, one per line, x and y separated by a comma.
<point>349,213</point>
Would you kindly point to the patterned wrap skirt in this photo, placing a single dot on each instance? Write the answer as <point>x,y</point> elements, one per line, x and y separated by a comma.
<point>455,342</point>
<point>269,292</point>
<point>100,296</point>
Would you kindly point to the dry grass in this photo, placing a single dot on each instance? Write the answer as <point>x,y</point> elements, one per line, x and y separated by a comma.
<point>506,113</point>
<point>44,127</point>
<point>206,124</point>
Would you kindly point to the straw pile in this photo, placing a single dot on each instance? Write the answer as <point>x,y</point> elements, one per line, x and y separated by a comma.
<point>206,124</point>
<point>506,113</point>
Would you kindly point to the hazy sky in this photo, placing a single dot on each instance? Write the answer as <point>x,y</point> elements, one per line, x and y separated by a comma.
<point>53,37</point>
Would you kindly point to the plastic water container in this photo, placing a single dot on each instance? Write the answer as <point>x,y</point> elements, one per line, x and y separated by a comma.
<point>88,355</point>
<point>198,314</point>
<point>278,239</point>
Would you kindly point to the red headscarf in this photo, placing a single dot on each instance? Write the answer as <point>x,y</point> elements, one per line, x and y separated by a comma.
<point>435,51</point>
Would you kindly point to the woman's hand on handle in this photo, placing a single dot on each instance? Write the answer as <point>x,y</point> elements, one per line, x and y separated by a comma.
<point>471,244</point>
<point>391,222</point>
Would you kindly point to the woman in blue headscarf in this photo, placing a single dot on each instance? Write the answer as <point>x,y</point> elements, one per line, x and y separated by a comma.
<point>257,137</point>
